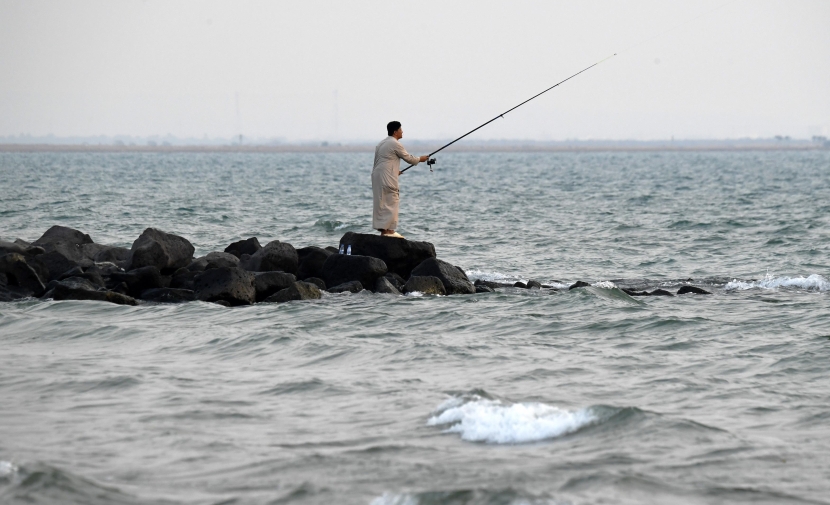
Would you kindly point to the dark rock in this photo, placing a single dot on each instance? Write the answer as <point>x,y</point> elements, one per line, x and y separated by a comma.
<point>396,280</point>
<point>692,289</point>
<point>489,284</point>
<point>426,284</point>
<point>9,248</point>
<point>400,255</point>
<point>634,292</point>
<point>168,295</point>
<point>341,268</point>
<point>8,295</point>
<point>660,292</point>
<point>109,254</point>
<point>311,260</point>
<point>454,279</point>
<point>73,282</point>
<point>320,283</point>
<point>139,280</point>
<point>92,276</point>
<point>579,284</point>
<point>234,285</point>
<point>297,291</point>
<point>532,284</point>
<point>268,283</point>
<point>223,303</point>
<point>213,260</point>
<point>248,246</point>
<point>331,249</point>
<point>520,284</point>
<point>165,251</point>
<point>21,242</point>
<point>184,279</point>
<point>52,264</point>
<point>58,234</point>
<point>274,256</point>
<point>19,274</point>
<point>384,285</point>
<point>481,288</point>
<point>72,291</point>
<point>351,287</point>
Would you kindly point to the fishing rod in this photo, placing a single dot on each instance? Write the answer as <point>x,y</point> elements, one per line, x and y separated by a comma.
<point>431,161</point>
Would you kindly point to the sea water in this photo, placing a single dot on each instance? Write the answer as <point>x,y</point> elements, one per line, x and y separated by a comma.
<point>514,397</point>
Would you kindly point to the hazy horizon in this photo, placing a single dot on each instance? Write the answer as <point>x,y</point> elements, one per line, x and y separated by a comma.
<point>338,72</point>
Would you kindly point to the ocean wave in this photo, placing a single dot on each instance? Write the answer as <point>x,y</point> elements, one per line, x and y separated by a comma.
<point>813,282</point>
<point>604,285</point>
<point>465,496</point>
<point>479,419</point>
<point>333,225</point>
<point>486,275</point>
<point>7,470</point>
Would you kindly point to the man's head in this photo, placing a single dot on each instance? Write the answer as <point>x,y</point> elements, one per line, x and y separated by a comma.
<point>393,128</point>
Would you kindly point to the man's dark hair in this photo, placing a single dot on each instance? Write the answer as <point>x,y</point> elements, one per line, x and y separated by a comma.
<point>392,127</point>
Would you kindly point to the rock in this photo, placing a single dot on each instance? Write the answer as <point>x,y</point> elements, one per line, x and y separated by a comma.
<point>692,289</point>
<point>233,285</point>
<point>660,292</point>
<point>425,284</point>
<point>311,260</point>
<point>520,284</point>
<point>351,287</point>
<point>634,292</point>
<point>18,274</point>
<point>274,256</point>
<point>248,246</point>
<point>384,285</point>
<point>53,264</point>
<point>139,280</point>
<point>58,233</point>
<point>454,279</point>
<point>22,248</point>
<point>579,284</point>
<point>72,291</point>
<point>400,255</point>
<point>481,288</point>
<point>165,251</point>
<point>489,284</point>
<point>331,249</point>
<point>91,275</point>
<point>532,284</point>
<point>184,279</point>
<point>341,268</point>
<point>223,303</point>
<point>320,283</point>
<point>297,291</point>
<point>213,260</point>
<point>268,283</point>
<point>108,254</point>
<point>168,295</point>
<point>396,280</point>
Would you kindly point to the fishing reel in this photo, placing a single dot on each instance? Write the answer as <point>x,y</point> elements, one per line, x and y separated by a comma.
<point>430,162</point>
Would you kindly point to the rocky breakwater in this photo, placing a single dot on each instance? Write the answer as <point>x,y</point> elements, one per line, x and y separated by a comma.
<point>160,267</point>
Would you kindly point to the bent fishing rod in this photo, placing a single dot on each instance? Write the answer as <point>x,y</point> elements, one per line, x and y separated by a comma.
<point>431,161</point>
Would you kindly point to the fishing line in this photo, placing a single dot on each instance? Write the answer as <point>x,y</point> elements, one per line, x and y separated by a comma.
<point>431,161</point>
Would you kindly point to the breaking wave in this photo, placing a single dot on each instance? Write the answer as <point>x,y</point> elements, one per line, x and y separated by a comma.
<point>813,282</point>
<point>479,419</point>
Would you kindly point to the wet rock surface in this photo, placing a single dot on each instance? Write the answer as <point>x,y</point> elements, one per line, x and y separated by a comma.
<point>230,284</point>
<point>165,251</point>
<point>296,291</point>
<point>340,268</point>
<point>268,283</point>
<point>351,287</point>
<point>275,256</point>
<point>454,279</point>
<point>248,246</point>
<point>401,256</point>
<point>426,284</point>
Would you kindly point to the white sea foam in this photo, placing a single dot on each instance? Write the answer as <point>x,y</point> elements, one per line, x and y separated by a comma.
<point>486,275</point>
<point>483,420</point>
<point>813,282</point>
<point>604,285</point>
<point>7,469</point>
<point>415,294</point>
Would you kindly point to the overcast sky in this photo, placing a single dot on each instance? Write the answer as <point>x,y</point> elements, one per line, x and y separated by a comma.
<point>339,71</point>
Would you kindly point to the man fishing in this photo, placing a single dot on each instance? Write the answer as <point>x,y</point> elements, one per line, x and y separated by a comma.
<point>385,194</point>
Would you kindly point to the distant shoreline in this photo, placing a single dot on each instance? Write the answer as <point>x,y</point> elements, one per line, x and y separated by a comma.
<point>679,146</point>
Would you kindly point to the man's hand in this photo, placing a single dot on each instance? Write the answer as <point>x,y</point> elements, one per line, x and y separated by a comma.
<point>423,159</point>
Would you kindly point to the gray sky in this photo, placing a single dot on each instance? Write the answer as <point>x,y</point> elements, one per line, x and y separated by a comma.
<point>307,70</point>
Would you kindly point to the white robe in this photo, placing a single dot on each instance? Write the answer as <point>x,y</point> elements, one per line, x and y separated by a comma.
<point>385,193</point>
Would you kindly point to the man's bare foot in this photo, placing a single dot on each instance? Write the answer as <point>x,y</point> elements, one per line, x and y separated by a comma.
<point>391,233</point>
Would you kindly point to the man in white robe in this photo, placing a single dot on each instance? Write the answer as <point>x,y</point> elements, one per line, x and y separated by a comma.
<point>385,192</point>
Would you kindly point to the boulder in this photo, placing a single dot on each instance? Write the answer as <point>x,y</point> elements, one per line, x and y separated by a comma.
<point>297,291</point>
<point>425,284</point>
<point>454,279</point>
<point>248,246</point>
<point>168,295</point>
<point>184,279</point>
<point>213,260</point>
<point>274,256</point>
<point>91,275</point>
<point>68,290</point>
<point>165,251</point>
<point>489,284</point>
<point>481,288</point>
<point>52,264</point>
<point>311,260</point>
<point>532,284</point>
<point>139,280</point>
<point>20,248</point>
<point>579,284</point>
<point>341,268</point>
<point>692,289</point>
<point>233,285</point>
<point>660,292</point>
<point>105,253</point>
<point>396,280</point>
<point>268,283</point>
<point>520,284</point>
<point>331,249</point>
<point>384,285</point>
<point>400,255</point>
<point>58,234</point>
<point>320,283</point>
<point>18,274</point>
<point>350,287</point>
